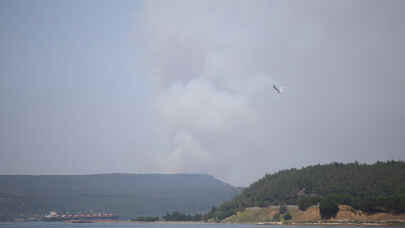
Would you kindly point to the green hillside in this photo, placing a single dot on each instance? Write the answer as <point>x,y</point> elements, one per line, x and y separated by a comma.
<point>127,195</point>
<point>370,188</point>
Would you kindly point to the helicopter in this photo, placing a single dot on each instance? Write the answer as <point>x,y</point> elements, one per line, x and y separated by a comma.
<point>277,89</point>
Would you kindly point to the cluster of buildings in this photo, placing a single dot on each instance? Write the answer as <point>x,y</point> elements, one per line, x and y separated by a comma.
<point>54,216</point>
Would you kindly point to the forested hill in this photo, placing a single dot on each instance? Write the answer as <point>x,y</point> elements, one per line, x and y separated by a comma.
<point>127,195</point>
<point>376,187</point>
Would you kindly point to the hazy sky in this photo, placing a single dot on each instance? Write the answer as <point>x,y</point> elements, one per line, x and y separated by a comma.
<point>186,86</point>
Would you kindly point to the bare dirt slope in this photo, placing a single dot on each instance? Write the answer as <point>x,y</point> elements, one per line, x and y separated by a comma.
<point>346,214</point>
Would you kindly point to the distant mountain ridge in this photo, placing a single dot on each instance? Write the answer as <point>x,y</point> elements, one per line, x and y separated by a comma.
<point>127,195</point>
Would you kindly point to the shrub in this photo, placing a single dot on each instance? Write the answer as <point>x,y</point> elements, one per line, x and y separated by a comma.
<point>287,216</point>
<point>283,209</point>
<point>328,208</point>
<point>276,217</point>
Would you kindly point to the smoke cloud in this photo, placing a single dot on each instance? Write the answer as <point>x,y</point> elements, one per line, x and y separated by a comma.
<point>186,86</point>
<point>213,64</point>
<point>206,61</point>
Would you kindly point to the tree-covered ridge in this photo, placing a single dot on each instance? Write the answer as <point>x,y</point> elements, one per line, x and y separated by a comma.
<point>376,187</point>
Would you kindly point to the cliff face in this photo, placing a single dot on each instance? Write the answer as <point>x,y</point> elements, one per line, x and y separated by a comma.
<point>346,214</point>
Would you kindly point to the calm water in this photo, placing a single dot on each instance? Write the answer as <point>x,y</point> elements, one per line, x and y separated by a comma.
<point>148,225</point>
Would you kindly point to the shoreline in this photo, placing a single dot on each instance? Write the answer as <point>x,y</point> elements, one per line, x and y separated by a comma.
<point>363,224</point>
<point>353,223</point>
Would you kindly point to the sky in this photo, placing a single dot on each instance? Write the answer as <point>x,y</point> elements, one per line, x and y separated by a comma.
<point>100,86</point>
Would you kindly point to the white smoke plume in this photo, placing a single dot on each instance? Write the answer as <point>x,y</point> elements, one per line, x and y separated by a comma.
<point>212,65</point>
<point>205,59</point>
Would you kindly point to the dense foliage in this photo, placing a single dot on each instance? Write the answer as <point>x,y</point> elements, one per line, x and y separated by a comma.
<point>125,195</point>
<point>304,202</point>
<point>371,188</point>
<point>178,216</point>
<point>146,219</point>
<point>287,216</point>
<point>328,208</point>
